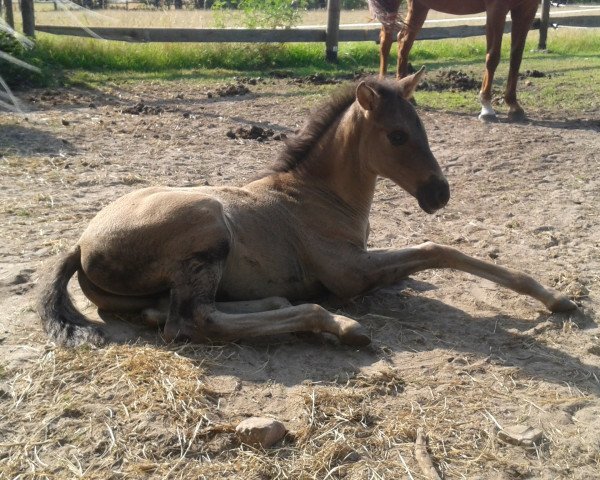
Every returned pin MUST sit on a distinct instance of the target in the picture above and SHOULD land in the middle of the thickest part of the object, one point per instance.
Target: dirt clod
(260, 431)
(231, 90)
(141, 108)
(255, 132)
(533, 74)
(316, 79)
(452, 80)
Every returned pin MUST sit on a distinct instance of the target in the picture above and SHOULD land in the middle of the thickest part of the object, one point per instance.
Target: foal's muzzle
(434, 194)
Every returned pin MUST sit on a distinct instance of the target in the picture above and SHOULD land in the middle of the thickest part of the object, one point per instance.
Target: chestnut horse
(522, 13)
(221, 263)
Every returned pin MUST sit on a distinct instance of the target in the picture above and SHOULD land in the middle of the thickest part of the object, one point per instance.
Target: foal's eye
(397, 137)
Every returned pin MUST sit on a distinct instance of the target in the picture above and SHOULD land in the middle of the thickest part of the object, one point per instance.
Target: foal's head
(394, 143)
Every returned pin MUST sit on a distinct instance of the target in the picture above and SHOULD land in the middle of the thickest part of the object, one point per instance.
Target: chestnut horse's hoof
(517, 116)
(488, 118)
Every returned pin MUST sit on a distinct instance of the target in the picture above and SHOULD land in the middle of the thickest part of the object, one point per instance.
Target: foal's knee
(432, 249)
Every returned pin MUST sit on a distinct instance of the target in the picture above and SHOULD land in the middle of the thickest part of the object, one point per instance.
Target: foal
(174, 254)
(522, 13)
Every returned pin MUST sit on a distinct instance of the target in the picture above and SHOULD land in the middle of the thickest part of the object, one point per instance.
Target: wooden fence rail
(287, 35)
(331, 35)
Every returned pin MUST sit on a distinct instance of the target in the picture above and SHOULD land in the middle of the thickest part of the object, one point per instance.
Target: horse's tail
(61, 320)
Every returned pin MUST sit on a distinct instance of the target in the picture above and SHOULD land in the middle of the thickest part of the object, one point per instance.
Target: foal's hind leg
(300, 318)
(254, 306)
(158, 316)
(193, 314)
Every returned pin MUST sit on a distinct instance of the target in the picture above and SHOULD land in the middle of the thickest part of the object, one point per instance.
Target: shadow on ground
(399, 324)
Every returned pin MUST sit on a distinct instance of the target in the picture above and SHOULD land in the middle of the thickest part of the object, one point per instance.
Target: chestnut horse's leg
(494, 29)
(415, 17)
(386, 37)
(364, 271)
(522, 17)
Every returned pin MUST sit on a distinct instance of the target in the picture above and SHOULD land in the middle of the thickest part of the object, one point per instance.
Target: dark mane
(298, 147)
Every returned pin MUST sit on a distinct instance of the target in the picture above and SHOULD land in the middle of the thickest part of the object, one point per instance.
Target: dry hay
(132, 411)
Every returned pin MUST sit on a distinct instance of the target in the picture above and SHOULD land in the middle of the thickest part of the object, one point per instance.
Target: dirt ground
(452, 354)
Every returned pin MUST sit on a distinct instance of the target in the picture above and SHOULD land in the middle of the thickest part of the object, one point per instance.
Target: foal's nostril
(443, 194)
(434, 194)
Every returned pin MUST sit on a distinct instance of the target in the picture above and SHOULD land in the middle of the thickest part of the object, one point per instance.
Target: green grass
(573, 61)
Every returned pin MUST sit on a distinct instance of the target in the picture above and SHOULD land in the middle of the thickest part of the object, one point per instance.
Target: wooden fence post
(28, 18)
(333, 29)
(10, 17)
(545, 20)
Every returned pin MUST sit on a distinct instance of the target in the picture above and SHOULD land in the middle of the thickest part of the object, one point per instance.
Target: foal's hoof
(488, 118)
(517, 116)
(353, 333)
(562, 304)
(153, 317)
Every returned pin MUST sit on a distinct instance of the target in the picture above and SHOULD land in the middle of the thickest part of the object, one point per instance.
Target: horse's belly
(247, 279)
(456, 7)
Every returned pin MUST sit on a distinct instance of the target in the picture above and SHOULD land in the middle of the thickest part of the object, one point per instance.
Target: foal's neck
(337, 166)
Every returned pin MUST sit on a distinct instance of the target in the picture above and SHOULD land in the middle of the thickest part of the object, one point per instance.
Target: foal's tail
(61, 320)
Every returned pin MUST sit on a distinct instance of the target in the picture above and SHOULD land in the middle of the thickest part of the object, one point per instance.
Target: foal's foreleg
(379, 268)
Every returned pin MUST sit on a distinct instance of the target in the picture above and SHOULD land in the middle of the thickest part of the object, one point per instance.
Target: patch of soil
(231, 90)
(61, 97)
(140, 108)
(455, 355)
(534, 74)
(255, 133)
(279, 74)
(316, 79)
(250, 80)
(451, 80)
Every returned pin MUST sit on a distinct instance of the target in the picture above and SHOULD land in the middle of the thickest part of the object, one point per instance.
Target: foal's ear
(366, 96)
(409, 84)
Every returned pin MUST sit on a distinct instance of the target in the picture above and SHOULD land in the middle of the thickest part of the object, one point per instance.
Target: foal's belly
(251, 278)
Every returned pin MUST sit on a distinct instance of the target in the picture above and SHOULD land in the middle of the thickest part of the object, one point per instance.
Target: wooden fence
(331, 35)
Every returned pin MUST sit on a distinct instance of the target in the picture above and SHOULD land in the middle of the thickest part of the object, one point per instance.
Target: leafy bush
(262, 13)
(15, 75)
